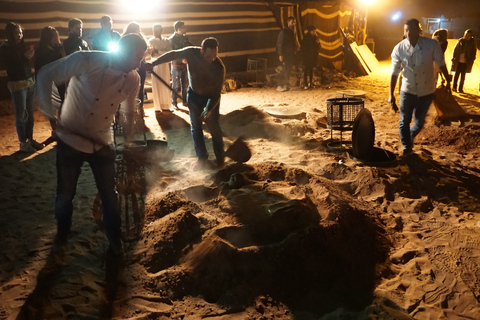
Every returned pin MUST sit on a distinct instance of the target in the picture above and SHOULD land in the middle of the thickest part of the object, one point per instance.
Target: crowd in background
(18, 59)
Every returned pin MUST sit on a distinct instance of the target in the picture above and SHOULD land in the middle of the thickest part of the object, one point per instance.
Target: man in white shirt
(415, 55)
(97, 83)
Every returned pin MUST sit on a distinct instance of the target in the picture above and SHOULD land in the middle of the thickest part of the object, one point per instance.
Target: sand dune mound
(269, 231)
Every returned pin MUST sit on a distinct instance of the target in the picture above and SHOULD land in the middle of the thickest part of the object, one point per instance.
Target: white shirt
(94, 94)
(160, 46)
(418, 65)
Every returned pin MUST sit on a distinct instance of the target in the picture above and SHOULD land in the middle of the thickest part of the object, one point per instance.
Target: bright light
(140, 5)
(396, 16)
(112, 46)
(368, 2)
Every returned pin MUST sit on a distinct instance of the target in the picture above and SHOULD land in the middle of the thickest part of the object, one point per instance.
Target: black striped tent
(244, 28)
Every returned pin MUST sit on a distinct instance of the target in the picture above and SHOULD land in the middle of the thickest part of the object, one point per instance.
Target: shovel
(165, 84)
(239, 151)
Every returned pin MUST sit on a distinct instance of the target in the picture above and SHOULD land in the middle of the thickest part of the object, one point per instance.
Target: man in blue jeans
(415, 55)
(97, 83)
(179, 40)
(206, 73)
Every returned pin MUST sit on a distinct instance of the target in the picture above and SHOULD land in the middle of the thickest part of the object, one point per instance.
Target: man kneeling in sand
(97, 83)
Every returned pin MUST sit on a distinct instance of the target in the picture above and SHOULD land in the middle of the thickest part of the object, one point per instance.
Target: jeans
(179, 78)
(284, 76)
(416, 107)
(308, 74)
(196, 105)
(461, 71)
(23, 105)
(69, 166)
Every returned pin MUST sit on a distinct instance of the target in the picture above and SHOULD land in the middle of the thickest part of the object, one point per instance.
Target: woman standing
(50, 49)
(21, 83)
(463, 58)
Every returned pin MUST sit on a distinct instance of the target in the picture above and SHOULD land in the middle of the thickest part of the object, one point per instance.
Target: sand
(300, 231)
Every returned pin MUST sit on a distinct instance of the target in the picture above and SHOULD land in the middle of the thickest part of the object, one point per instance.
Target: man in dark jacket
(179, 40)
(310, 48)
(286, 47)
(106, 38)
(74, 42)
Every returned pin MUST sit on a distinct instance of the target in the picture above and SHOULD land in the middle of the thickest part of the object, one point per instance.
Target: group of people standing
(97, 82)
(18, 60)
(287, 49)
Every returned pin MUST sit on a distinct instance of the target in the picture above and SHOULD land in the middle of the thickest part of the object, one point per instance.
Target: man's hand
(393, 103)
(148, 66)
(394, 106)
(205, 114)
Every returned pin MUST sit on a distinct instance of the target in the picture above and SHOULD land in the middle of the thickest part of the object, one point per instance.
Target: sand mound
(268, 233)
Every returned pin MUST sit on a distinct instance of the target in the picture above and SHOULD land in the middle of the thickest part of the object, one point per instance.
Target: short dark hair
(105, 19)
(73, 22)
(290, 19)
(178, 24)
(210, 42)
(413, 23)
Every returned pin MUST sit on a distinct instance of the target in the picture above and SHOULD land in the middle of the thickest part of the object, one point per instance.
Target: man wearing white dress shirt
(97, 83)
(415, 57)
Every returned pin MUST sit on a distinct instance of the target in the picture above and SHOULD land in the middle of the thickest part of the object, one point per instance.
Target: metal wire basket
(341, 112)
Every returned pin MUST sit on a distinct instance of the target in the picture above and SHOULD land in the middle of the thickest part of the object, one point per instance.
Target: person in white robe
(161, 93)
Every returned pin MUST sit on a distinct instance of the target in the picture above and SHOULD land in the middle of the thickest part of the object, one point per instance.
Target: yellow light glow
(140, 5)
(368, 2)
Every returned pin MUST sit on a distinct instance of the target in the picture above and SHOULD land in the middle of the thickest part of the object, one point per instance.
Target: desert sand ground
(300, 231)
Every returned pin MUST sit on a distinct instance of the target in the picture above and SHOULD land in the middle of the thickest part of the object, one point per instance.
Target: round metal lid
(284, 111)
(363, 135)
(351, 93)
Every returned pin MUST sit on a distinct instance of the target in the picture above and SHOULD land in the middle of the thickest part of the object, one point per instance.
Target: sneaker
(27, 147)
(306, 88)
(37, 145)
(281, 88)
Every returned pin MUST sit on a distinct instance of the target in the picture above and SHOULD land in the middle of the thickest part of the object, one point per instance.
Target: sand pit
(296, 232)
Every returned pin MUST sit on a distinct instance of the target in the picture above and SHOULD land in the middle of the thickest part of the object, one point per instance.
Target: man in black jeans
(286, 48)
(97, 83)
(179, 40)
(206, 73)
